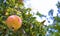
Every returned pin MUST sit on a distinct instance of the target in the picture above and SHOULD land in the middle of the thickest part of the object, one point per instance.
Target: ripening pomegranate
(14, 22)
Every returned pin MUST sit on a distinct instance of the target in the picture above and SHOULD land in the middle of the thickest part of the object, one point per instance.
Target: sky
(43, 6)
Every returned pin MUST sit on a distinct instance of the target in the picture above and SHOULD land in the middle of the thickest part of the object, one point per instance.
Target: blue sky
(43, 6)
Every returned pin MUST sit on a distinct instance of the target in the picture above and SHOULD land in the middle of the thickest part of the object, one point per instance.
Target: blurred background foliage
(54, 29)
(30, 26)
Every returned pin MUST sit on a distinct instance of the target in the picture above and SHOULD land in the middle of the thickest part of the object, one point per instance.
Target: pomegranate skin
(14, 22)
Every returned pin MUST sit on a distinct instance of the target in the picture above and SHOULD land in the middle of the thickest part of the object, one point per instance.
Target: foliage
(30, 26)
(56, 23)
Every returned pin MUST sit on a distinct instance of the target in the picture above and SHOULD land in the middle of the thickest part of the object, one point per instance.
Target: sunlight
(43, 6)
